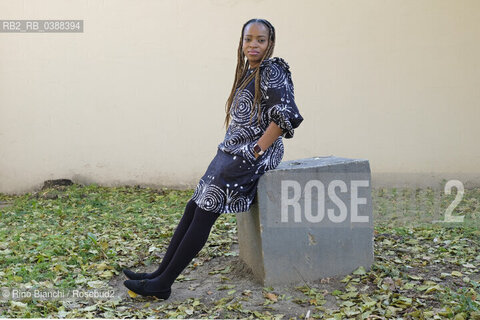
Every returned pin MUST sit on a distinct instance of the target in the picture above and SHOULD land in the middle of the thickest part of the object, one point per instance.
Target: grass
(66, 237)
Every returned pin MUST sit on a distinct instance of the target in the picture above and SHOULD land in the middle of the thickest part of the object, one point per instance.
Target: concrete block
(311, 218)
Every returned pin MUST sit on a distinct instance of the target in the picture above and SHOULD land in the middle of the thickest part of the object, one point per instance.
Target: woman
(259, 112)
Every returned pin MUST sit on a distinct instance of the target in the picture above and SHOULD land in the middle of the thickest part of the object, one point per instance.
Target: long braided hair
(242, 67)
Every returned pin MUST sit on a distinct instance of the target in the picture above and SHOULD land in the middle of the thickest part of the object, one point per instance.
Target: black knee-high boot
(172, 247)
(192, 242)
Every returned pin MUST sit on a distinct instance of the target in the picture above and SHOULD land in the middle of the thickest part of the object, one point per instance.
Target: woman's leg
(192, 242)
(174, 242)
(176, 238)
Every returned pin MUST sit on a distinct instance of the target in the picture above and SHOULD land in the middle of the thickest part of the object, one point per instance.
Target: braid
(242, 65)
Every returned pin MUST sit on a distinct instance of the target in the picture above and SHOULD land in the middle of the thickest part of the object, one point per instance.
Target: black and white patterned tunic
(229, 185)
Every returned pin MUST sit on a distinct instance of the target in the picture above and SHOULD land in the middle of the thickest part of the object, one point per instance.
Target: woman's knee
(206, 216)
(190, 207)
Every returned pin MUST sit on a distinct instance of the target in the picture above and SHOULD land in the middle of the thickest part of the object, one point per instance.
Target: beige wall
(138, 97)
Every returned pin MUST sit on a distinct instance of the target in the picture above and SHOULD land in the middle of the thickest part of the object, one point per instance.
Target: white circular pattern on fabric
(213, 198)
(239, 204)
(276, 76)
(241, 112)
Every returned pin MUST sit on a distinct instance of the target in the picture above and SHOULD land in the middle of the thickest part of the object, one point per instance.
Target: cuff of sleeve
(282, 119)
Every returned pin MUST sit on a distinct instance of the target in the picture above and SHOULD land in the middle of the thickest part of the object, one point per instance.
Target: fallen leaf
(457, 273)
(360, 270)
(247, 292)
(271, 296)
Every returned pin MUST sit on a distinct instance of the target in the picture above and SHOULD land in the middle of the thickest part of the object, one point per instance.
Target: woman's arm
(269, 136)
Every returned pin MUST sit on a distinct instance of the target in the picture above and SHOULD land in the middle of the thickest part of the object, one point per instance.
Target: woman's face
(255, 42)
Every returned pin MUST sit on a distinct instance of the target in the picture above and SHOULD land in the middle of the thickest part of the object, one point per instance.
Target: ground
(75, 236)
(230, 279)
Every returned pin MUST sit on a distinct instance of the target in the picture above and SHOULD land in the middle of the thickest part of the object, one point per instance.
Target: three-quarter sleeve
(280, 99)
